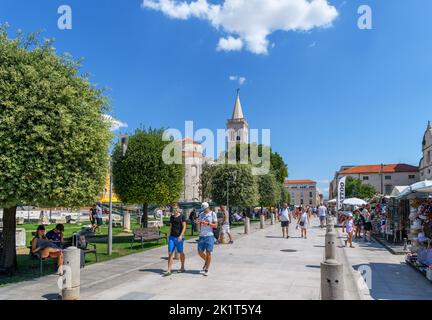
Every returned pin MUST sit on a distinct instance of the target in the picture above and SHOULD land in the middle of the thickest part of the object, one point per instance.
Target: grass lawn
(28, 269)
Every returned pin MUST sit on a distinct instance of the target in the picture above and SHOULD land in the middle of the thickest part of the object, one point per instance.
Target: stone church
(425, 165)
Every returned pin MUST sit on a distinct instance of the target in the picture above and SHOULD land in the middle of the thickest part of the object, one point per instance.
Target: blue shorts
(174, 243)
(206, 244)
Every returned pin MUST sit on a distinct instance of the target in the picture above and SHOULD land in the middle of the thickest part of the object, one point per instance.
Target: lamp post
(123, 141)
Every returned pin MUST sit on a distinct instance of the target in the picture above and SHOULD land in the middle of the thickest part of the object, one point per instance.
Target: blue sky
(331, 96)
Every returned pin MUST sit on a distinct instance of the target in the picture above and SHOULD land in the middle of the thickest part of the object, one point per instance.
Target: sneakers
(181, 271)
(206, 273)
(231, 242)
(167, 274)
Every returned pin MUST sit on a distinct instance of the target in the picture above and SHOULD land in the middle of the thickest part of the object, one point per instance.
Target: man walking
(98, 217)
(207, 219)
(176, 240)
(285, 220)
(322, 212)
(225, 226)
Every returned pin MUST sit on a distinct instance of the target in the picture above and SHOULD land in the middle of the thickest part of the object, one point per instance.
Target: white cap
(204, 205)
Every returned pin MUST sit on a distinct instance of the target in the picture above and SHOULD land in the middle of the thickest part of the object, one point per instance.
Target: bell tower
(237, 126)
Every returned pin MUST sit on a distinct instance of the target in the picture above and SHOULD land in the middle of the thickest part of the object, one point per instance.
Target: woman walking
(303, 222)
(350, 230)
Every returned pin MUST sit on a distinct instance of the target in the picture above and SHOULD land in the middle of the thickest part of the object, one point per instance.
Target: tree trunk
(144, 217)
(8, 258)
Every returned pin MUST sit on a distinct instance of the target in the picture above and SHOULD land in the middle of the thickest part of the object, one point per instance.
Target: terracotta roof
(376, 168)
(299, 182)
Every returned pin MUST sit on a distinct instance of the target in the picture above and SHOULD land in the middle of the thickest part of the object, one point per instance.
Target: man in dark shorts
(176, 239)
(285, 220)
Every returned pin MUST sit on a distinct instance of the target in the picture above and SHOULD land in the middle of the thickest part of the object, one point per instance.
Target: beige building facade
(383, 177)
(192, 152)
(303, 192)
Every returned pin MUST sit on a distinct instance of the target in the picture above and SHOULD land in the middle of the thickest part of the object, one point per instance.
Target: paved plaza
(261, 265)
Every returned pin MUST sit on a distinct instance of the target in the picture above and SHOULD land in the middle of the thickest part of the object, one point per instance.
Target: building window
(365, 178)
(387, 177)
(238, 138)
(310, 201)
(301, 194)
(303, 187)
(301, 201)
(310, 194)
(411, 176)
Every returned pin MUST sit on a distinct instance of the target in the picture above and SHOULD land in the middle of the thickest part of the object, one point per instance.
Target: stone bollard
(332, 283)
(126, 222)
(262, 221)
(330, 245)
(272, 221)
(330, 224)
(247, 225)
(405, 240)
(71, 273)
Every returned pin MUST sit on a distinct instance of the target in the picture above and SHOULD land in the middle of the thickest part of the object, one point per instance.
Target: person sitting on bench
(56, 235)
(44, 248)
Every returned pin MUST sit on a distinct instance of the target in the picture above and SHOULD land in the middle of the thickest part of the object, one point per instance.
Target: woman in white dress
(304, 223)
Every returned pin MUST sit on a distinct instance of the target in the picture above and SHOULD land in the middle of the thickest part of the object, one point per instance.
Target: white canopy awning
(354, 202)
(419, 187)
(397, 190)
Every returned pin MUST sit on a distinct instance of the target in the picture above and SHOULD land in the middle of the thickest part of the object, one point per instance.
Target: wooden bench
(147, 235)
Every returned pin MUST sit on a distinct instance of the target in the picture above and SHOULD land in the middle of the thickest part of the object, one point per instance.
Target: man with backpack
(207, 219)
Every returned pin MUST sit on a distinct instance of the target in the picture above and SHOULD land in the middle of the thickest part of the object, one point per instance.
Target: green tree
(269, 190)
(242, 186)
(277, 165)
(355, 188)
(285, 196)
(53, 137)
(205, 180)
(142, 176)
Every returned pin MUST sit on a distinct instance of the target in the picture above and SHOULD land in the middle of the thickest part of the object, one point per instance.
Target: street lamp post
(123, 141)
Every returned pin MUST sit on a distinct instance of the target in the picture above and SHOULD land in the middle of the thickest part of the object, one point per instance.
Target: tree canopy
(269, 190)
(141, 176)
(355, 188)
(242, 187)
(53, 136)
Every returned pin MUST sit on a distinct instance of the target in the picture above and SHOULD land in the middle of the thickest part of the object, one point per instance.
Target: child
(349, 225)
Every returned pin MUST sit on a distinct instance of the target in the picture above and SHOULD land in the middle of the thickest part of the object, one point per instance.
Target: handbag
(301, 223)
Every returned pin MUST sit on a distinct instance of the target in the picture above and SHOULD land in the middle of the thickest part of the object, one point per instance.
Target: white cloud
(313, 44)
(240, 80)
(114, 123)
(230, 44)
(248, 23)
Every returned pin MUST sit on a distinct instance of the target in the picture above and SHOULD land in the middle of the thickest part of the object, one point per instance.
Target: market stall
(419, 205)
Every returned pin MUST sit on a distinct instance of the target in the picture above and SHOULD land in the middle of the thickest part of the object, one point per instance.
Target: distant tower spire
(429, 125)
(238, 110)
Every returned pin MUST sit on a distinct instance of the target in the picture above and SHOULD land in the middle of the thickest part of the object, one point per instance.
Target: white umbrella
(354, 202)
(332, 201)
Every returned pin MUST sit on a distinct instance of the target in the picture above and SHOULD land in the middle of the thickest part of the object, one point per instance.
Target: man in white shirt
(285, 219)
(207, 219)
(322, 213)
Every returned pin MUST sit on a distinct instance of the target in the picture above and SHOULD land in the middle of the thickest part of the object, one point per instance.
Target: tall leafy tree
(53, 137)
(285, 196)
(277, 165)
(269, 190)
(355, 188)
(205, 180)
(238, 181)
(141, 176)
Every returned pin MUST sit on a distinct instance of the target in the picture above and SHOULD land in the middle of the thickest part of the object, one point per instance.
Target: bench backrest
(146, 231)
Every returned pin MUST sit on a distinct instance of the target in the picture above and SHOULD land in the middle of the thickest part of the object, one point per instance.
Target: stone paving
(261, 265)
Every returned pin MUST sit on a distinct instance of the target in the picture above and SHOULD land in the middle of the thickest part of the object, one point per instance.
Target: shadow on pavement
(158, 271)
(52, 296)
